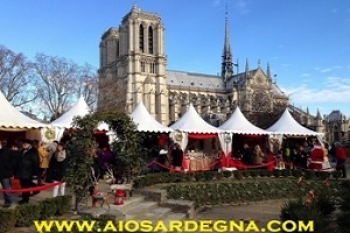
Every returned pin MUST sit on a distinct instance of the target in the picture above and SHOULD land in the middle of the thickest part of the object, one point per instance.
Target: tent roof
(10, 117)
(146, 122)
(192, 122)
(79, 109)
(289, 126)
(237, 123)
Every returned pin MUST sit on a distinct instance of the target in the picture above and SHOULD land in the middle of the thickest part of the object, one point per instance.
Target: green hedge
(249, 191)
(24, 215)
(166, 178)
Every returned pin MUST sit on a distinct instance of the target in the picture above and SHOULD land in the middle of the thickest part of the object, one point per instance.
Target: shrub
(297, 173)
(263, 173)
(324, 175)
(297, 210)
(309, 174)
(7, 220)
(219, 175)
(337, 174)
(48, 208)
(269, 173)
(209, 175)
(277, 173)
(227, 174)
(26, 214)
(254, 173)
(286, 172)
(63, 204)
(245, 173)
(199, 176)
(238, 174)
(343, 218)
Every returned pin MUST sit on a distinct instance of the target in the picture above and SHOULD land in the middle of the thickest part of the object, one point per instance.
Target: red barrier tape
(33, 189)
(243, 166)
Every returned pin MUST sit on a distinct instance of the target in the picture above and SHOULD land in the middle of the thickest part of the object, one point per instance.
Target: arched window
(142, 38)
(150, 40)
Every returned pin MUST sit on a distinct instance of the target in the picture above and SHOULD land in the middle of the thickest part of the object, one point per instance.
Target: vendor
(177, 154)
(317, 157)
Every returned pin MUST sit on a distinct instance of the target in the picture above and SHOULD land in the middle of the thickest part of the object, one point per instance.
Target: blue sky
(306, 42)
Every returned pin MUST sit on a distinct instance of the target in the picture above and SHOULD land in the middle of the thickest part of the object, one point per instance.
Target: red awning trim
(202, 136)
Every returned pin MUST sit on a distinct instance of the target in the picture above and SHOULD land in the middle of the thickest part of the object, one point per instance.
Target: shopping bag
(15, 184)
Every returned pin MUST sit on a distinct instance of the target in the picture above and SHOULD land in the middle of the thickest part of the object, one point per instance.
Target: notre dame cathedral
(133, 69)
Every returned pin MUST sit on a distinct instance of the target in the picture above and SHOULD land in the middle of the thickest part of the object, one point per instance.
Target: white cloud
(330, 90)
(305, 75)
(326, 70)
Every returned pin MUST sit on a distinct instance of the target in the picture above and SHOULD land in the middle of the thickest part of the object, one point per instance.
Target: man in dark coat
(247, 155)
(6, 171)
(27, 167)
(177, 155)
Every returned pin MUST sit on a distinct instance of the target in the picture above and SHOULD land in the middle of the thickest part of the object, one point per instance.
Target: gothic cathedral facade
(133, 69)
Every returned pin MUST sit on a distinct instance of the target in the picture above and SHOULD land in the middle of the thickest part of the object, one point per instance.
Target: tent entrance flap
(202, 136)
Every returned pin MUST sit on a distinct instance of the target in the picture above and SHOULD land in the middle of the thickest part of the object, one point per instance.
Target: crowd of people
(29, 160)
(308, 155)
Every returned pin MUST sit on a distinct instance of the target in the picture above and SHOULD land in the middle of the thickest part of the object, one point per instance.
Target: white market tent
(11, 118)
(190, 124)
(287, 125)
(79, 109)
(146, 122)
(238, 124)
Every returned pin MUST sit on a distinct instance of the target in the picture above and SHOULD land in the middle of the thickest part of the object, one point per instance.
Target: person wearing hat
(27, 167)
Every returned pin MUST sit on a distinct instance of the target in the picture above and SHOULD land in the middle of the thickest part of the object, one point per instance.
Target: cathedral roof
(195, 80)
(211, 82)
(335, 115)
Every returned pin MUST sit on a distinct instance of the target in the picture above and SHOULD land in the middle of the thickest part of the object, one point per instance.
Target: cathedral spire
(246, 67)
(268, 71)
(318, 116)
(227, 65)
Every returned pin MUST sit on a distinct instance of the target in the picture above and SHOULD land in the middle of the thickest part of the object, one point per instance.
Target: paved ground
(261, 213)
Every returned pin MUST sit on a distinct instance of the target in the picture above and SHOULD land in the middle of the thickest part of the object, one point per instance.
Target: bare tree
(61, 83)
(112, 95)
(16, 78)
(87, 85)
(266, 110)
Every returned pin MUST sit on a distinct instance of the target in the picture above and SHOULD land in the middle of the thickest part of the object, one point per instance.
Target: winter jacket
(28, 164)
(57, 168)
(7, 163)
(43, 156)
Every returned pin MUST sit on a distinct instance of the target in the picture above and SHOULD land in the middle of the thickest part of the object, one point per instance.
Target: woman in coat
(44, 161)
(57, 170)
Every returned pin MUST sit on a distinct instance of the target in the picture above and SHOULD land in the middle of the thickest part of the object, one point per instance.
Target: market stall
(14, 125)
(198, 139)
(237, 126)
(288, 128)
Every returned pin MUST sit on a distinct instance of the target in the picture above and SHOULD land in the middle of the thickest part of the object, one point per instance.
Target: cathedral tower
(132, 58)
